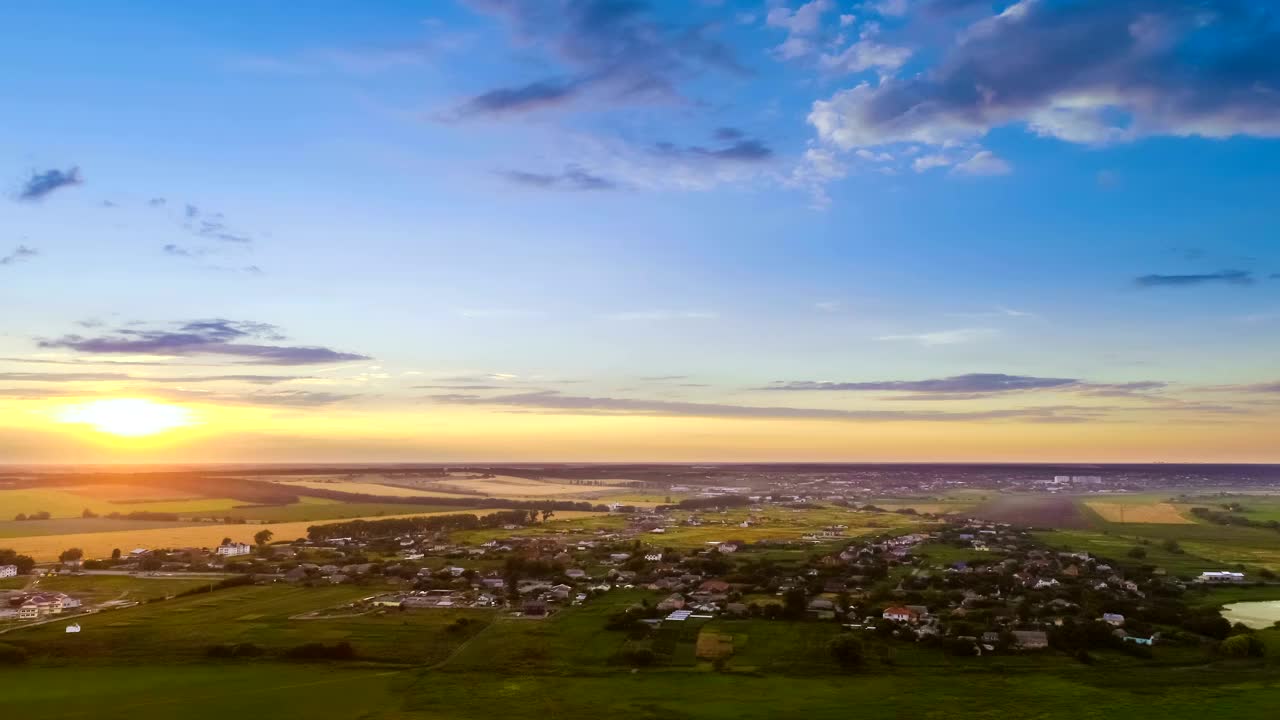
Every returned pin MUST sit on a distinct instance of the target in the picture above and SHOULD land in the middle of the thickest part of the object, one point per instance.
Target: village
(969, 587)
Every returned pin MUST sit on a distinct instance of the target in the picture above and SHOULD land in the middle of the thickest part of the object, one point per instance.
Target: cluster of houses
(34, 606)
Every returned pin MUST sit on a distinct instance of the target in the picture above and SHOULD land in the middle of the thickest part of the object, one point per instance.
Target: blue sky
(567, 199)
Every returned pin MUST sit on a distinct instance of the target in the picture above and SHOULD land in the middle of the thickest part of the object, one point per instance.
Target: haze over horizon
(597, 230)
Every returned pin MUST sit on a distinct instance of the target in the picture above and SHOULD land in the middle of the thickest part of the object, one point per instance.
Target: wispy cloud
(609, 53)
(973, 383)
(1224, 277)
(72, 377)
(944, 337)
(22, 253)
(42, 184)
(571, 178)
(219, 337)
(577, 404)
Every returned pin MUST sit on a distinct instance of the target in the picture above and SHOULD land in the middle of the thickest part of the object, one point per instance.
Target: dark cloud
(41, 184)
(1228, 277)
(22, 253)
(614, 51)
(534, 96)
(728, 134)
(179, 251)
(974, 383)
(239, 339)
(1084, 72)
(743, 150)
(572, 178)
(549, 400)
(157, 202)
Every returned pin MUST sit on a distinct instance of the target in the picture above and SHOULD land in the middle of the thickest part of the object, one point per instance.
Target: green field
(98, 588)
(182, 629)
(64, 503)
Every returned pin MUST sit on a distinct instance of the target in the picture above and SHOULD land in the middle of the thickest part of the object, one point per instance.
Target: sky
(640, 230)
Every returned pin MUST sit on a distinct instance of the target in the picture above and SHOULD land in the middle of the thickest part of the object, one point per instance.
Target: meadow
(183, 628)
(93, 589)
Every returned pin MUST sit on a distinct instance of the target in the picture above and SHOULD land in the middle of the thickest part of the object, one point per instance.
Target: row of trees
(365, 529)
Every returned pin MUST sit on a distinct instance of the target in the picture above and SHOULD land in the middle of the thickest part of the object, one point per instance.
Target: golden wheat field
(369, 488)
(46, 548)
(1152, 513)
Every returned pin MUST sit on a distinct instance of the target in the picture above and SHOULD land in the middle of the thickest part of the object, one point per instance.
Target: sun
(127, 417)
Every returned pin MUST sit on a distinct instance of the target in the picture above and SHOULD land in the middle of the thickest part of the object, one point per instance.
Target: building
(899, 613)
(1221, 576)
(8, 571)
(234, 549)
(1031, 639)
(1113, 619)
(73, 628)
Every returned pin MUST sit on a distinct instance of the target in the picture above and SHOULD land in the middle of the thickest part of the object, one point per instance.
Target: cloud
(801, 25)
(41, 184)
(928, 162)
(613, 52)
(945, 337)
(205, 337)
(983, 162)
(663, 378)
(120, 377)
(572, 178)
(156, 202)
(740, 149)
(550, 400)
(1083, 72)
(22, 253)
(973, 383)
(1227, 277)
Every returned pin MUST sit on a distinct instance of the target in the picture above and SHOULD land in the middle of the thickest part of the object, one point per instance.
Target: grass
(947, 555)
(75, 526)
(310, 512)
(98, 588)
(180, 630)
(279, 691)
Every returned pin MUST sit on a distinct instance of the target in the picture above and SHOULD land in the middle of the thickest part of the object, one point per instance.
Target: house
(1031, 639)
(654, 557)
(234, 549)
(1113, 619)
(898, 613)
(575, 573)
(675, 601)
(73, 628)
(714, 586)
(561, 592)
(728, 547)
(8, 571)
(28, 611)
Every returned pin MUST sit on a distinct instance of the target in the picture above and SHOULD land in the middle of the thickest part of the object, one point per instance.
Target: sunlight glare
(127, 417)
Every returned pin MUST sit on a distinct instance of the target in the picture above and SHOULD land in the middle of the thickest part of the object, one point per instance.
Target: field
(1161, 513)
(70, 502)
(180, 630)
(100, 544)
(369, 488)
(93, 589)
(1054, 511)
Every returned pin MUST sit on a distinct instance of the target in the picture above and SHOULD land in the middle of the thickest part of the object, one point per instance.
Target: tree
(115, 554)
(546, 514)
(20, 517)
(1241, 646)
(1172, 546)
(1138, 552)
(847, 650)
(226, 541)
(794, 603)
(71, 555)
(87, 513)
(263, 537)
(23, 562)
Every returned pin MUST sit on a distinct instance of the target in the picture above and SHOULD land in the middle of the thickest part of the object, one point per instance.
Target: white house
(899, 613)
(234, 549)
(73, 628)
(8, 571)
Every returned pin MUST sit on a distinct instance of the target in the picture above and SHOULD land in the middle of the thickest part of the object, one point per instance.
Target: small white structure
(1221, 576)
(234, 549)
(8, 571)
(73, 628)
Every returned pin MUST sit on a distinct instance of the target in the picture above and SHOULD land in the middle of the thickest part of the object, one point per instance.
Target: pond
(1257, 615)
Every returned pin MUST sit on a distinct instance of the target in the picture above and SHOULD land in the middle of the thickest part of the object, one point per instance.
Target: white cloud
(983, 162)
(928, 162)
(945, 337)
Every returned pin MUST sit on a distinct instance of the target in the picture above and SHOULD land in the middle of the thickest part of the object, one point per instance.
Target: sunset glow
(127, 417)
